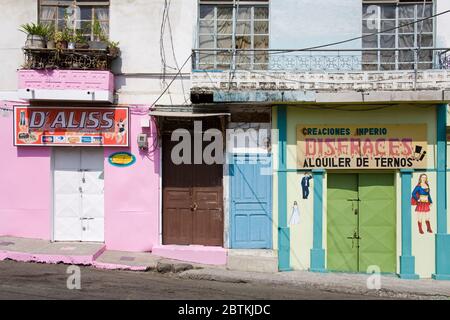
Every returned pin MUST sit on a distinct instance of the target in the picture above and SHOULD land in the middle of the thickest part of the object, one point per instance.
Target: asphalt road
(42, 281)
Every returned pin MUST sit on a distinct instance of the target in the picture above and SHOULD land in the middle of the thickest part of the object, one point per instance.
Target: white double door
(78, 194)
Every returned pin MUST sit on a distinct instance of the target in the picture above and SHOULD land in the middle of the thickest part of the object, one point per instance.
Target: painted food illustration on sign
(122, 159)
(421, 199)
(43, 126)
(295, 216)
(362, 147)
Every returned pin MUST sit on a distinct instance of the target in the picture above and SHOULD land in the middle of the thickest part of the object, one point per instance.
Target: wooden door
(192, 196)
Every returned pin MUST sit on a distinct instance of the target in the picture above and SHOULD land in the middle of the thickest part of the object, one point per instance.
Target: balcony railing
(70, 59)
(321, 60)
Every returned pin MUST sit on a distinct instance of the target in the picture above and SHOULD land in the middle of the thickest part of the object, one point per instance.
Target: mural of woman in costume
(422, 200)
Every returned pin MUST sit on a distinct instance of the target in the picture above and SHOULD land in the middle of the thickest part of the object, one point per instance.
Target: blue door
(251, 201)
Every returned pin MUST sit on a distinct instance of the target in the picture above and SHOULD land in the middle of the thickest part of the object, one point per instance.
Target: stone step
(256, 260)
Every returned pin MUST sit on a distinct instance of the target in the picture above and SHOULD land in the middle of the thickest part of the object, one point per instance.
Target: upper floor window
(224, 25)
(397, 31)
(81, 15)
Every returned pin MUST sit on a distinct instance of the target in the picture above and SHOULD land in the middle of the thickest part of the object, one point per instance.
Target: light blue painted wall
(304, 23)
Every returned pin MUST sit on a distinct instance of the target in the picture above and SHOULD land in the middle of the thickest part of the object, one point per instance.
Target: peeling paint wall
(243, 81)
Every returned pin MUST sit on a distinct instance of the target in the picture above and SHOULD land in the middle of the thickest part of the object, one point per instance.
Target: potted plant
(61, 39)
(51, 39)
(113, 47)
(100, 39)
(37, 33)
(71, 41)
(80, 40)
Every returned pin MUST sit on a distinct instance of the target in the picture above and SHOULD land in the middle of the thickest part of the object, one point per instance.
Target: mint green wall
(302, 234)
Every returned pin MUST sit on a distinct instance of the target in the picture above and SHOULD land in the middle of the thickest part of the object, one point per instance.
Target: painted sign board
(71, 126)
(362, 147)
(122, 159)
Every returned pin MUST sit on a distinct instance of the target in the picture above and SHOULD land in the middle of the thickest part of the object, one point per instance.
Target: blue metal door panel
(251, 201)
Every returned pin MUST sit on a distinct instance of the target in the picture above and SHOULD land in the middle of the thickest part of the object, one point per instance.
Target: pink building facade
(130, 194)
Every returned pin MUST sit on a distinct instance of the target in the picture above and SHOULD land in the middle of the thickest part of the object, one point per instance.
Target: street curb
(331, 287)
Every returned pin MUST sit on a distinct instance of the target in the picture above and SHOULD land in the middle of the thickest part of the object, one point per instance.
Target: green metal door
(361, 222)
(377, 222)
(342, 195)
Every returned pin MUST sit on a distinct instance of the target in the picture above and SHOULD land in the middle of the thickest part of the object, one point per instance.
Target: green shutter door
(377, 222)
(341, 222)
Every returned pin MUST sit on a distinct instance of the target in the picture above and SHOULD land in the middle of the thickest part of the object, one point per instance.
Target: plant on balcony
(80, 40)
(100, 39)
(51, 38)
(37, 34)
(76, 40)
(113, 47)
(61, 39)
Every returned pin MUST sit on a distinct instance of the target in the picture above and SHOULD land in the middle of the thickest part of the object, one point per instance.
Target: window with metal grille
(76, 15)
(224, 25)
(401, 43)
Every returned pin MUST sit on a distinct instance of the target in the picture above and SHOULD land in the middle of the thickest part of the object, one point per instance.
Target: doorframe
(231, 163)
(160, 216)
(394, 173)
(225, 208)
(52, 196)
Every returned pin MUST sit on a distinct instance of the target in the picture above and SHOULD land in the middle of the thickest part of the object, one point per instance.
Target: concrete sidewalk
(96, 255)
(43, 251)
(391, 286)
(88, 254)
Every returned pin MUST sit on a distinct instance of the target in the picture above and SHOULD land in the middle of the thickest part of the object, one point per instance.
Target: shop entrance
(251, 202)
(192, 193)
(78, 203)
(361, 222)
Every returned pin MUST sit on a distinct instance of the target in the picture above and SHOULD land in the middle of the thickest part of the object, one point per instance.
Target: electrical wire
(172, 81)
(346, 40)
(364, 36)
(313, 48)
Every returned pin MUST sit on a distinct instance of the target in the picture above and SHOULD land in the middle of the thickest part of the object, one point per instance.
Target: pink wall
(66, 79)
(132, 194)
(25, 188)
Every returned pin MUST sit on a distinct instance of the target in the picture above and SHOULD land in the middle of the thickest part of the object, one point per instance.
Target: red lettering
(394, 147)
(310, 147)
(367, 147)
(407, 145)
(380, 147)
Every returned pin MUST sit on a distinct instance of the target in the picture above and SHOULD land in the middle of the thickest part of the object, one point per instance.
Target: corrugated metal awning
(188, 114)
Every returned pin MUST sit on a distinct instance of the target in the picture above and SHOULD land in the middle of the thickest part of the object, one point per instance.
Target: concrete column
(442, 236)
(317, 252)
(407, 260)
(284, 240)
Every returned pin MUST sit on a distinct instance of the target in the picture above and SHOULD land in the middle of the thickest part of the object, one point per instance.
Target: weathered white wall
(13, 13)
(136, 24)
(443, 24)
(304, 23)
